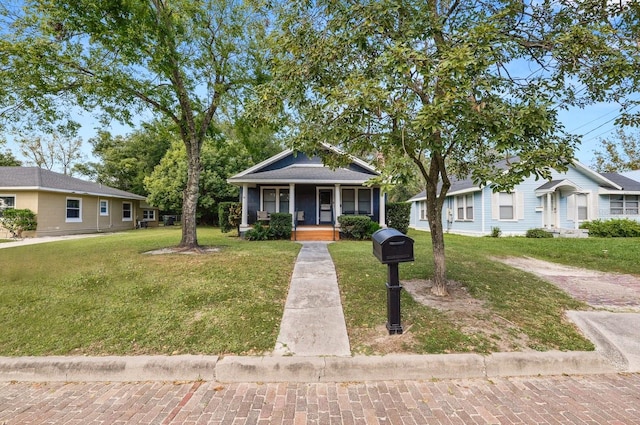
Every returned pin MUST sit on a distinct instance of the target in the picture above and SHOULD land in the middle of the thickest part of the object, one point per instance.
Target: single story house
(314, 194)
(66, 205)
(558, 205)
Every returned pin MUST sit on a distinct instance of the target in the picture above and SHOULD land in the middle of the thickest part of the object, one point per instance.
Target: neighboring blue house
(314, 194)
(559, 205)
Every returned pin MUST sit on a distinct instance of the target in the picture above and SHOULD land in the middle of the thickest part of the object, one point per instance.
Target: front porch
(315, 233)
(313, 194)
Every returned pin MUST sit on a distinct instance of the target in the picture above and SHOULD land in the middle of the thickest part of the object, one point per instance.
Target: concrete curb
(300, 369)
(601, 341)
(114, 369)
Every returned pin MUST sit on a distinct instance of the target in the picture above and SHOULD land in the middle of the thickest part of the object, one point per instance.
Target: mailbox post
(392, 247)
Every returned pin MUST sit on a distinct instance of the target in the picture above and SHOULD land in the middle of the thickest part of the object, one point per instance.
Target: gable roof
(35, 178)
(624, 183)
(609, 182)
(305, 172)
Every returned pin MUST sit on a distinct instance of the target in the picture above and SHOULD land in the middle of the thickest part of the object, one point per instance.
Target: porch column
(337, 205)
(576, 212)
(292, 203)
(548, 213)
(382, 211)
(245, 204)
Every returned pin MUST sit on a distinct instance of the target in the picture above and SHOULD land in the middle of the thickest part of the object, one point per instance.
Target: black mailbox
(392, 246)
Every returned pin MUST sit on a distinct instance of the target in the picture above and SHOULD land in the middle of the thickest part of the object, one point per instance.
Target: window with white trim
(149, 215)
(74, 210)
(104, 207)
(275, 199)
(464, 207)
(127, 211)
(423, 210)
(506, 205)
(7, 201)
(283, 200)
(357, 201)
(582, 206)
(624, 204)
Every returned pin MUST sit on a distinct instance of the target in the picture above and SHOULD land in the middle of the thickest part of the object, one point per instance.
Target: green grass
(102, 296)
(533, 305)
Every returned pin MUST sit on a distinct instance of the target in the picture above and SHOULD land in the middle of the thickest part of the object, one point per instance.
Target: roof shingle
(39, 179)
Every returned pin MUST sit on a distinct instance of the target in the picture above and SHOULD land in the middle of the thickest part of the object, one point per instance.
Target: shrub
(17, 221)
(495, 232)
(229, 215)
(357, 226)
(279, 228)
(613, 228)
(374, 226)
(399, 216)
(538, 233)
(259, 232)
(281, 225)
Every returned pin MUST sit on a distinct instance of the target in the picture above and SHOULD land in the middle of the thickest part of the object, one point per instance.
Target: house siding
(46, 194)
(529, 211)
(24, 200)
(302, 159)
(52, 215)
(50, 210)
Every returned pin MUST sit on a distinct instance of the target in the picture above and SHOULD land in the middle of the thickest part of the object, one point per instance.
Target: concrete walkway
(313, 322)
(46, 239)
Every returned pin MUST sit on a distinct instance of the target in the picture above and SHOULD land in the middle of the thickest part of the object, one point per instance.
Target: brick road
(597, 399)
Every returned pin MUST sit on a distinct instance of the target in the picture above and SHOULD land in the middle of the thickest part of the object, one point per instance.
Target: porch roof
(304, 174)
(565, 186)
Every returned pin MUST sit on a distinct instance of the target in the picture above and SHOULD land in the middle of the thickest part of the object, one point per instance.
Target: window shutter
(594, 212)
(495, 205)
(571, 207)
(520, 205)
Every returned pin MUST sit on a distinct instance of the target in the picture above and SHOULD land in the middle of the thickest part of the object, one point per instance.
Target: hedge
(399, 216)
(613, 228)
(357, 226)
(280, 224)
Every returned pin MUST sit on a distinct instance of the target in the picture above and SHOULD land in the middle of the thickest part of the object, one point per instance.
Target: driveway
(613, 323)
(45, 239)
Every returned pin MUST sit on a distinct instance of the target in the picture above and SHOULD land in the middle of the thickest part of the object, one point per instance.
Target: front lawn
(101, 296)
(527, 304)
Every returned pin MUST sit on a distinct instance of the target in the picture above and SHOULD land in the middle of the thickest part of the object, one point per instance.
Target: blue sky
(595, 122)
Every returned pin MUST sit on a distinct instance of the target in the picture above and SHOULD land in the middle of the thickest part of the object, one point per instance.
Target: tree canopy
(125, 161)
(7, 159)
(52, 152)
(183, 60)
(618, 154)
(440, 88)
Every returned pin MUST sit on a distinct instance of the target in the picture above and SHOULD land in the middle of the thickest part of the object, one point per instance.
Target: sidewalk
(313, 322)
(313, 346)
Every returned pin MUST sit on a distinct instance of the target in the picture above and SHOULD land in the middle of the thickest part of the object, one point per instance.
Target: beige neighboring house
(66, 205)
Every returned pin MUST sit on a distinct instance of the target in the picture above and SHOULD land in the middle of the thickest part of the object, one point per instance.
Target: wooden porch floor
(315, 233)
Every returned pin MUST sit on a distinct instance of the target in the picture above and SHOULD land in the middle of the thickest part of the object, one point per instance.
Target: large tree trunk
(190, 197)
(434, 215)
(436, 175)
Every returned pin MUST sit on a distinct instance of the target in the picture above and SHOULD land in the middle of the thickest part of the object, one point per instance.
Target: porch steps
(315, 234)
